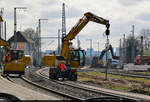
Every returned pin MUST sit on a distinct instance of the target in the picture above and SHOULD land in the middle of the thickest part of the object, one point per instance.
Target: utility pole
(98, 47)
(124, 48)
(78, 42)
(1, 31)
(5, 30)
(141, 46)
(63, 21)
(120, 53)
(133, 46)
(39, 43)
(58, 41)
(15, 25)
(90, 46)
(1, 23)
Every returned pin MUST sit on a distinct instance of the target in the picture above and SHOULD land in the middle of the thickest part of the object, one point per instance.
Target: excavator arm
(82, 23)
(107, 49)
(78, 27)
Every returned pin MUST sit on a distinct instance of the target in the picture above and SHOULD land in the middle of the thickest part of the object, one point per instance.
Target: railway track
(31, 85)
(68, 90)
(73, 84)
(74, 92)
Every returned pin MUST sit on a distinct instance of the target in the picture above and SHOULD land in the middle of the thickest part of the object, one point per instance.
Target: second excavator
(98, 61)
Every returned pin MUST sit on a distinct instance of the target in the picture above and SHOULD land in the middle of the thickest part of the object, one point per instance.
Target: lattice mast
(63, 21)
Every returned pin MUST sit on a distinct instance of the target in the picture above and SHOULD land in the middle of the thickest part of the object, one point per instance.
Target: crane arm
(82, 23)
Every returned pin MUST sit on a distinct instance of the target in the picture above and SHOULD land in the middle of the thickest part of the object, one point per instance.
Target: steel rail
(113, 95)
(46, 89)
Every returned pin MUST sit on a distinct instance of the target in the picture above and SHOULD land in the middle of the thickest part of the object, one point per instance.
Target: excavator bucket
(1, 19)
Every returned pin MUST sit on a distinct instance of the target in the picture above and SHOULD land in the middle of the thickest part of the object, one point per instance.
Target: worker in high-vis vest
(8, 57)
(62, 66)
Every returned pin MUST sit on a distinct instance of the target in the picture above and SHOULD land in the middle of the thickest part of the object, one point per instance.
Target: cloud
(129, 2)
(121, 13)
(144, 17)
(51, 14)
(73, 12)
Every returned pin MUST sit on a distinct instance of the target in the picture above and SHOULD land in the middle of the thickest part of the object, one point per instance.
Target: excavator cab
(13, 63)
(77, 58)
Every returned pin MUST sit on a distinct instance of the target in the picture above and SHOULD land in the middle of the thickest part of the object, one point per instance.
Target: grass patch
(144, 73)
(84, 79)
(116, 82)
(120, 88)
(99, 74)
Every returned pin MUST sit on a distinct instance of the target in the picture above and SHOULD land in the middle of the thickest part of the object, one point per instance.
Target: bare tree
(30, 33)
(146, 38)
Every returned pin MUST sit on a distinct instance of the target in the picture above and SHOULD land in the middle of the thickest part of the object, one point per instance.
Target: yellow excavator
(73, 57)
(14, 61)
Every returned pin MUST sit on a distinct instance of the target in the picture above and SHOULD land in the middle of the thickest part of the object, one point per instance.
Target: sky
(122, 14)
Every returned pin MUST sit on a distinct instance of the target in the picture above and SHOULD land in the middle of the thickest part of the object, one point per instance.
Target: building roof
(21, 37)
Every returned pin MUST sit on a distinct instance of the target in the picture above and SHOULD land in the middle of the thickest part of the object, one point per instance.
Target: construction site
(64, 52)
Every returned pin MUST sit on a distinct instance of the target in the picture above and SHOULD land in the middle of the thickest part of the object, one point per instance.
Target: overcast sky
(122, 14)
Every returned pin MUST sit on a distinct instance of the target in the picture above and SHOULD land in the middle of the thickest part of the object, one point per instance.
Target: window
(16, 54)
(82, 57)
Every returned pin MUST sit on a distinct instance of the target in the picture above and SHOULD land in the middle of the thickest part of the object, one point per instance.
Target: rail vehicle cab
(13, 62)
(77, 58)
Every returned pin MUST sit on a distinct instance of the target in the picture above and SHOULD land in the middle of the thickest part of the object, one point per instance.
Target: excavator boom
(82, 23)
(107, 49)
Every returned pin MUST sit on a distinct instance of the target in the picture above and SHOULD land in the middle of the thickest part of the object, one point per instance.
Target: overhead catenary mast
(63, 21)
(1, 23)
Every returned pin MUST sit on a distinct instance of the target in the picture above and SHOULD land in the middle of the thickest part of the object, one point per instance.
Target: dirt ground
(116, 82)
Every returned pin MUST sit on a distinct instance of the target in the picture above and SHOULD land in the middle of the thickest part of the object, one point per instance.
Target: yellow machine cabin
(75, 57)
(14, 61)
(52, 61)
(49, 60)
